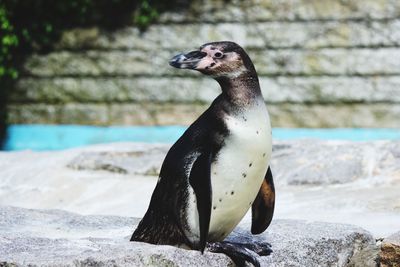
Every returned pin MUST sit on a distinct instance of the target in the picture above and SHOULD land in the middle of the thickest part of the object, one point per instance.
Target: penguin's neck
(242, 90)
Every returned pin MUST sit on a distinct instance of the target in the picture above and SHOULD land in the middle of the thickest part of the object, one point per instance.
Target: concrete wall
(328, 63)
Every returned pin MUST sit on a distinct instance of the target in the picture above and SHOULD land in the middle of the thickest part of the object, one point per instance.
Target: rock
(143, 160)
(345, 115)
(256, 34)
(155, 114)
(119, 179)
(193, 90)
(313, 59)
(143, 113)
(277, 62)
(59, 238)
(298, 10)
(390, 251)
(334, 162)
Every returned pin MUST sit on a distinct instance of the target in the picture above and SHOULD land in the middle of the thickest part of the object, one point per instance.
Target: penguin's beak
(187, 61)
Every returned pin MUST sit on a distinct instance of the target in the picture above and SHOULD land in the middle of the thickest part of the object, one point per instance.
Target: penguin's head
(216, 59)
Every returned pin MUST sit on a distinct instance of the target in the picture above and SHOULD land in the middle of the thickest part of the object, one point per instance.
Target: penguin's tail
(160, 230)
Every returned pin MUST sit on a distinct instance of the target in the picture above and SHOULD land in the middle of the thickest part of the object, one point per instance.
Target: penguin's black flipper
(200, 180)
(263, 206)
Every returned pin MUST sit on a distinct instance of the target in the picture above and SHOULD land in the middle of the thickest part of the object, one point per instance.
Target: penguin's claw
(262, 249)
(241, 253)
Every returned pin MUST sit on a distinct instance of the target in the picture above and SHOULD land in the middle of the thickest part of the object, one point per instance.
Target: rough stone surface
(328, 61)
(335, 162)
(143, 160)
(324, 89)
(331, 181)
(286, 10)
(59, 238)
(282, 115)
(390, 251)
(273, 34)
(308, 54)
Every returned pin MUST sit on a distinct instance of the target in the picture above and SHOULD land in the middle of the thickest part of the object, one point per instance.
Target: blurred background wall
(329, 63)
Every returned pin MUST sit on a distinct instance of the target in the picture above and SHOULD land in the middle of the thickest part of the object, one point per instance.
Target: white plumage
(238, 172)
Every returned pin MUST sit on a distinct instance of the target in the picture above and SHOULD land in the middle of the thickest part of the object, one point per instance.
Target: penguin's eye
(218, 55)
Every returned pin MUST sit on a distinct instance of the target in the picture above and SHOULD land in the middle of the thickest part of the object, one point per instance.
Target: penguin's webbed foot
(262, 249)
(241, 253)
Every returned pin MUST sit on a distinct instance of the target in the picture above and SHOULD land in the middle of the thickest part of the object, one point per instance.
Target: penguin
(219, 168)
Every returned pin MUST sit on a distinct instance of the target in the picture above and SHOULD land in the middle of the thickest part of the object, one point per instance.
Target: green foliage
(9, 41)
(145, 14)
(34, 25)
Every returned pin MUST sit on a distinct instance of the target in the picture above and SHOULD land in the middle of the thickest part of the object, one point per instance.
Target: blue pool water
(55, 137)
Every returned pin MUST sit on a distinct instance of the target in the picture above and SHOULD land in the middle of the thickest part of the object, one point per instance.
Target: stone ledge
(382, 115)
(261, 35)
(328, 61)
(203, 90)
(298, 10)
(59, 238)
(346, 164)
(335, 181)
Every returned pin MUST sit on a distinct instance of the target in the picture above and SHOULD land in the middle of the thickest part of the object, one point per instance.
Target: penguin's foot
(262, 249)
(241, 253)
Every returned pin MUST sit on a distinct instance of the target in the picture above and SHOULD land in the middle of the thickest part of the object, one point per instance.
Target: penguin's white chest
(240, 167)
